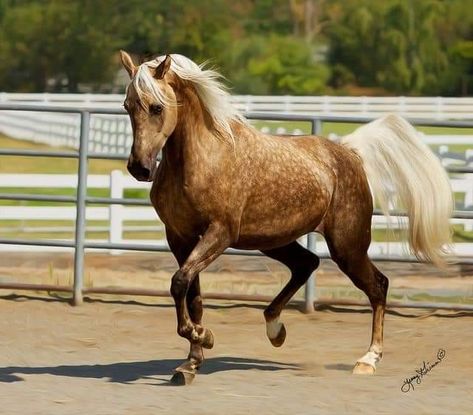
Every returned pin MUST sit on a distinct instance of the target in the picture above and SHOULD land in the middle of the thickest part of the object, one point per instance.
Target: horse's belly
(266, 231)
(283, 208)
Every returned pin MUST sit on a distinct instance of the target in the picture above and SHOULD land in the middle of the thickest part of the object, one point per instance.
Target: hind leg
(302, 263)
(349, 251)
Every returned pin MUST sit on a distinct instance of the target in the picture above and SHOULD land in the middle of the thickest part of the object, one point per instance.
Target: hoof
(182, 378)
(208, 340)
(278, 341)
(363, 369)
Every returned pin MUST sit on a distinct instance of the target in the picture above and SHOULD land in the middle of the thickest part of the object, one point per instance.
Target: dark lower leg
(186, 328)
(185, 373)
(214, 241)
(194, 305)
(302, 263)
(181, 250)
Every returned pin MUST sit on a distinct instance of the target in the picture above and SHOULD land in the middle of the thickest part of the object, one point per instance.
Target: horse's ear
(128, 63)
(163, 67)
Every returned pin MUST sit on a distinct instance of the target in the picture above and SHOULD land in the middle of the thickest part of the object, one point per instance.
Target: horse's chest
(175, 210)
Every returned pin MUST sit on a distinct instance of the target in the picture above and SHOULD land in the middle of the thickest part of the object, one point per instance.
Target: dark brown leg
(185, 373)
(302, 263)
(194, 305)
(185, 289)
(351, 257)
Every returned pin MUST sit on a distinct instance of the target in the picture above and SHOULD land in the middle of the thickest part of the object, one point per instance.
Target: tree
(55, 41)
(264, 46)
(403, 46)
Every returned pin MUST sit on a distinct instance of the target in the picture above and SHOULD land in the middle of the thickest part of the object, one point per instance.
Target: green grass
(20, 164)
(50, 165)
(395, 235)
(344, 128)
(18, 229)
(128, 193)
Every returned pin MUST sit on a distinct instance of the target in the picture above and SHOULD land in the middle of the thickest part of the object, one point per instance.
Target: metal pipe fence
(79, 244)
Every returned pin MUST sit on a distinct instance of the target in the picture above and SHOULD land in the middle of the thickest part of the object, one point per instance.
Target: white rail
(415, 107)
(116, 215)
(112, 133)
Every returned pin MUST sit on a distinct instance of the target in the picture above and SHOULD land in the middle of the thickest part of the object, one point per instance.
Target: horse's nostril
(139, 171)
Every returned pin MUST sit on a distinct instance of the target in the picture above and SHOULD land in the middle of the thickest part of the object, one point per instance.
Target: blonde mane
(207, 83)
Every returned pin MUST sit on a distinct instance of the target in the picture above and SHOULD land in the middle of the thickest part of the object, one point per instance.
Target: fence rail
(79, 244)
(441, 108)
(110, 132)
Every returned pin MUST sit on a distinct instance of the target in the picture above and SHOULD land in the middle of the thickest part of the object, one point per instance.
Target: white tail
(396, 159)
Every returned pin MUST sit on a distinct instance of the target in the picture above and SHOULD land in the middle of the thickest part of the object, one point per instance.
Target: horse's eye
(155, 109)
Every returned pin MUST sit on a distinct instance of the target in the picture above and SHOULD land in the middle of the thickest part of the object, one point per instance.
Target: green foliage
(277, 65)
(52, 41)
(263, 47)
(404, 46)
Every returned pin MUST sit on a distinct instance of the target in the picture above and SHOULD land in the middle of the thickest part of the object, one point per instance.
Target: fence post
(443, 149)
(80, 208)
(316, 128)
(115, 219)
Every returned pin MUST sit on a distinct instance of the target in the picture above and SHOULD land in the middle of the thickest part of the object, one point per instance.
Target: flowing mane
(207, 83)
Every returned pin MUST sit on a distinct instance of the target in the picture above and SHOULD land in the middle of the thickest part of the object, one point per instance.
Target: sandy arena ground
(112, 357)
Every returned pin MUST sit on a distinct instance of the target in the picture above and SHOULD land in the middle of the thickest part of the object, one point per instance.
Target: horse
(221, 183)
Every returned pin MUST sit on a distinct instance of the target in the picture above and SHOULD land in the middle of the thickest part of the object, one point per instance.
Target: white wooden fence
(115, 215)
(415, 107)
(112, 133)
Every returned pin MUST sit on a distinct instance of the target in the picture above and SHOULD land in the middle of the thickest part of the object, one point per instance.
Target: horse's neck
(192, 138)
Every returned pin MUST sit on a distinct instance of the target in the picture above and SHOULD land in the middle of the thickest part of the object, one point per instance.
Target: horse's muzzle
(141, 172)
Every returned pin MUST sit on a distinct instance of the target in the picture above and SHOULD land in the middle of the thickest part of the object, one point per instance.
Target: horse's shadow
(132, 371)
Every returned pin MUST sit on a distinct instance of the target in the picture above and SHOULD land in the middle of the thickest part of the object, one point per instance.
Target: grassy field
(13, 164)
(343, 128)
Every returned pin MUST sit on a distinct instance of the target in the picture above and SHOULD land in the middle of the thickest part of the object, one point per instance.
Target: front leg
(181, 248)
(214, 241)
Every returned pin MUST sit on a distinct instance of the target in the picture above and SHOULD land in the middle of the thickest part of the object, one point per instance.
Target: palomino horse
(222, 183)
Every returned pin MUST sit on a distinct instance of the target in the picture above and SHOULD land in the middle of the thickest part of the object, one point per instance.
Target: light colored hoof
(278, 341)
(208, 340)
(182, 378)
(363, 369)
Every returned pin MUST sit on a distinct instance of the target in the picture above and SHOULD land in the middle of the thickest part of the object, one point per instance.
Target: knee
(179, 284)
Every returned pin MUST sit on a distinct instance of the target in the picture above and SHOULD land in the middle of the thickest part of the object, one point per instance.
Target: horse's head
(152, 107)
